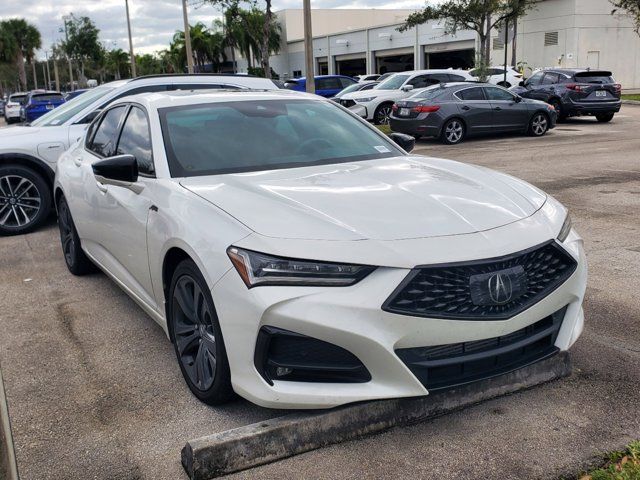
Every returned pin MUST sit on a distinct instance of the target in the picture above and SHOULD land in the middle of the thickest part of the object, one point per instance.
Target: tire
(382, 114)
(25, 200)
(453, 131)
(539, 124)
(75, 259)
(197, 337)
(604, 117)
(555, 103)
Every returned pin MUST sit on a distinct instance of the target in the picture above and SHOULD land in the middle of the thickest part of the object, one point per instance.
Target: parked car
(371, 77)
(322, 284)
(356, 87)
(326, 85)
(452, 111)
(28, 154)
(575, 91)
(496, 76)
(2, 102)
(73, 94)
(12, 107)
(376, 104)
(38, 103)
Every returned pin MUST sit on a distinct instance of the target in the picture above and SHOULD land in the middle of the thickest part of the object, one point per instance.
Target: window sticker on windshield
(381, 148)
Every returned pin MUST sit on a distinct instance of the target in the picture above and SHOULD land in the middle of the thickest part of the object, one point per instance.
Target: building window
(297, 73)
(550, 38)
(498, 43)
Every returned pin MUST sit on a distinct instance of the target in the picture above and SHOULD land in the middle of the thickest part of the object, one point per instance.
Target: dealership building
(555, 33)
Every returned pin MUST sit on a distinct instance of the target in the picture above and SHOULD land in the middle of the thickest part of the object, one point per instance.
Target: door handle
(465, 107)
(498, 108)
(102, 187)
(78, 162)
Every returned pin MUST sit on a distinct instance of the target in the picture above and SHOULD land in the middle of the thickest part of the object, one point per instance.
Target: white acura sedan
(298, 257)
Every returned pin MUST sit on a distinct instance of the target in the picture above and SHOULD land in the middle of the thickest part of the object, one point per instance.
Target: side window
(494, 93)
(440, 77)
(328, 84)
(474, 93)
(104, 140)
(456, 78)
(422, 81)
(550, 79)
(135, 140)
(346, 82)
(368, 86)
(535, 79)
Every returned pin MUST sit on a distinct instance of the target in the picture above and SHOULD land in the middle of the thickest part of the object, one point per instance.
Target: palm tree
(20, 40)
(118, 62)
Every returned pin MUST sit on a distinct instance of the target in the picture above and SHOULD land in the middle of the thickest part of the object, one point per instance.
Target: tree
(117, 62)
(18, 41)
(82, 43)
(481, 16)
(631, 7)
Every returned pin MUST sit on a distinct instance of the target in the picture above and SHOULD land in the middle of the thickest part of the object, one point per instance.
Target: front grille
(464, 291)
(446, 366)
(347, 103)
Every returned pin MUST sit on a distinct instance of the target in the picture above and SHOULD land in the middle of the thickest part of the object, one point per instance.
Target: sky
(153, 22)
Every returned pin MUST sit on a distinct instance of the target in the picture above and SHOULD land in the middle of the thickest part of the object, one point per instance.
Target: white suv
(12, 108)
(495, 75)
(375, 104)
(28, 154)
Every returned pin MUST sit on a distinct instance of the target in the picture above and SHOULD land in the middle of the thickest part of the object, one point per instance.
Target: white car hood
(18, 131)
(388, 199)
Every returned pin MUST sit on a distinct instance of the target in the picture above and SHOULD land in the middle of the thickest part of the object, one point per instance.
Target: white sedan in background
(495, 75)
(297, 256)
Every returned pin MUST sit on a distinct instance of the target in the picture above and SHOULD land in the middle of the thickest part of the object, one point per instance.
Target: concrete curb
(631, 102)
(260, 443)
(8, 466)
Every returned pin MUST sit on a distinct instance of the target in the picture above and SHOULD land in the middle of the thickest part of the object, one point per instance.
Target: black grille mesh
(445, 292)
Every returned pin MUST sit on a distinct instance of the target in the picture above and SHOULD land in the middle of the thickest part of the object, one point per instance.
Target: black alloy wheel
(383, 114)
(25, 200)
(197, 337)
(76, 260)
(452, 132)
(604, 117)
(539, 125)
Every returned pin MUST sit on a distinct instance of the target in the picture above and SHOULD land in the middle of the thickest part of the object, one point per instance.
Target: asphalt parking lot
(94, 390)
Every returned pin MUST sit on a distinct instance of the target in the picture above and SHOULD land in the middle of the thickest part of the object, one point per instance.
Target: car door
(328, 87)
(532, 86)
(475, 109)
(123, 212)
(82, 194)
(508, 112)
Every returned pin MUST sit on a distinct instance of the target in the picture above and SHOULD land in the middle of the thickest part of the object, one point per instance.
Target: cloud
(153, 22)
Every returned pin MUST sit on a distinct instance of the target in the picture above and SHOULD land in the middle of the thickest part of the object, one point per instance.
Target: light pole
(187, 37)
(308, 47)
(131, 55)
(46, 56)
(66, 18)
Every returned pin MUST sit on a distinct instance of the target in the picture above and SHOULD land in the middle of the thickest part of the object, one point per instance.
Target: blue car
(38, 103)
(326, 85)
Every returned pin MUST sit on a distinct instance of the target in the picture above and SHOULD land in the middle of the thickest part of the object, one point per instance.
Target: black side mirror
(121, 170)
(522, 83)
(518, 98)
(406, 142)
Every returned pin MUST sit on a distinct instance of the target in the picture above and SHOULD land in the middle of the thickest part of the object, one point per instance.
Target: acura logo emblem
(500, 288)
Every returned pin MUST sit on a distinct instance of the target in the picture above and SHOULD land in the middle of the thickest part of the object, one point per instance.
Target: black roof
(573, 71)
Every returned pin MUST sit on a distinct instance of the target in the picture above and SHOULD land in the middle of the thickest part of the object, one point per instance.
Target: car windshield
(209, 139)
(46, 97)
(428, 93)
(71, 108)
(392, 83)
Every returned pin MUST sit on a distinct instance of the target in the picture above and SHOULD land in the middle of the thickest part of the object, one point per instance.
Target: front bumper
(352, 319)
(360, 110)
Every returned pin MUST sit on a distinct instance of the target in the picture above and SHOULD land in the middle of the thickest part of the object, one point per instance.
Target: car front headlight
(364, 99)
(258, 269)
(566, 228)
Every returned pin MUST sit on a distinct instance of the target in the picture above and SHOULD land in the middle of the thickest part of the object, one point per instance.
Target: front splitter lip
(351, 318)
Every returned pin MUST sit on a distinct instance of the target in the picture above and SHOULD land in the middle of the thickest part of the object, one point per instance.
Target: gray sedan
(451, 111)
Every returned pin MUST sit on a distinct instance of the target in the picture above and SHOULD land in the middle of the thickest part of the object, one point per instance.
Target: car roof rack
(170, 75)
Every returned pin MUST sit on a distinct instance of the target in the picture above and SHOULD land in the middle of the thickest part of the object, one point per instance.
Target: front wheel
(76, 260)
(197, 337)
(452, 132)
(604, 117)
(383, 114)
(25, 200)
(539, 125)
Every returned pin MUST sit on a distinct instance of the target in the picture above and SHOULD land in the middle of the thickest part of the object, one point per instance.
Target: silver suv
(28, 154)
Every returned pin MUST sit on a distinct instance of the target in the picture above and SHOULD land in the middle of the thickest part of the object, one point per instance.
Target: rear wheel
(77, 262)
(25, 200)
(452, 132)
(539, 125)
(604, 117)
(382, 115)
(197, 337)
